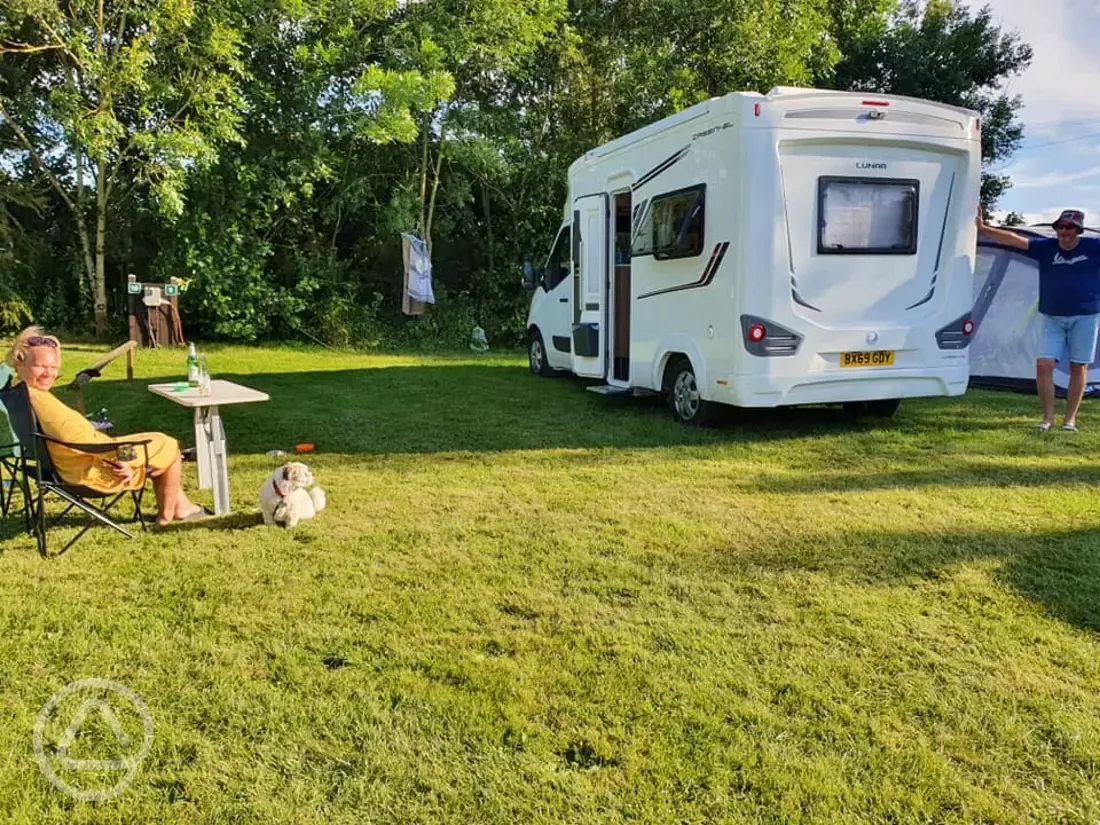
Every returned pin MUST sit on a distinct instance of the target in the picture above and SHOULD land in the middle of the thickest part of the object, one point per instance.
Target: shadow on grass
(233, 522)
(1059, 570)
(483, 408)
(960, 474)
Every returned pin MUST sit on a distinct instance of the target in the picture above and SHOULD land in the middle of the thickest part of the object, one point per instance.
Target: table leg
(202, 448)
(220, 462)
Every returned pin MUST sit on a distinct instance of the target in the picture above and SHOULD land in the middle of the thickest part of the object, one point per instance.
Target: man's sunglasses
(41, 341)
(1064, 226)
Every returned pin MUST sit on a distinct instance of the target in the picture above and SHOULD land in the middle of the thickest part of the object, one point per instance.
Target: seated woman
(36, 359)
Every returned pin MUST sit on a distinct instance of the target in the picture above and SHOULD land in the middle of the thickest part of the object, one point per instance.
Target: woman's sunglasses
(41, 341)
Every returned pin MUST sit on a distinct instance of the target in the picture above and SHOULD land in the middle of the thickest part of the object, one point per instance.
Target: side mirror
(530, 279)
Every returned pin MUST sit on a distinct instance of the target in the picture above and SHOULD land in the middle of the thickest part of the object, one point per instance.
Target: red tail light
(876, 103)
(968, 327)
(757, 333)
(756, 110)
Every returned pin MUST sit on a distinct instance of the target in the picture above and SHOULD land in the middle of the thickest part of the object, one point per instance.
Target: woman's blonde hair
(22, 345)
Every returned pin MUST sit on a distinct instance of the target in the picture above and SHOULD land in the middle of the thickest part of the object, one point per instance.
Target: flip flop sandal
(1069, 428)
(1043, 426)
(199, 514)
(196, 516)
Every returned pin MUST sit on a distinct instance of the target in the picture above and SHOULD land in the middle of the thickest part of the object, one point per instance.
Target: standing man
(1069, 304)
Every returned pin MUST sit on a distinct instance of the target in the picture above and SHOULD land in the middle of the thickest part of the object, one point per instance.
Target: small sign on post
(154, 316)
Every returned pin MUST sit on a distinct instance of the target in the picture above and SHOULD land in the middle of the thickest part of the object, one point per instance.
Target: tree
(117, 93)
(1014, 219)
(942, 50)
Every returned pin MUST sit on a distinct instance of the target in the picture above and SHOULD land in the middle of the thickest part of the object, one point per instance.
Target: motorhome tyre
(682, 394)
(537, 356)
(855, 409)
(883, 408)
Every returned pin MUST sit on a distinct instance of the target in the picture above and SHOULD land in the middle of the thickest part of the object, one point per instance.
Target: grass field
(530, 604)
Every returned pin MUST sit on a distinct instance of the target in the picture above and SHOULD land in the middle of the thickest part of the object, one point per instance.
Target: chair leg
(99, 516)
(139, 517)
(39, 520)
(5, 491)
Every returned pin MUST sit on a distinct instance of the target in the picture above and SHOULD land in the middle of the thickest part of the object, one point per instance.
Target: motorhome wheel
(882, 408)
(682, 392)
(536, 356)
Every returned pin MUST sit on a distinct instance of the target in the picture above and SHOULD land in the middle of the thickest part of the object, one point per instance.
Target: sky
(1058, 164)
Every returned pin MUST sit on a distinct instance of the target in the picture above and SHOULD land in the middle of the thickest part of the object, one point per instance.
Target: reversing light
(968, 327)
(757, 333)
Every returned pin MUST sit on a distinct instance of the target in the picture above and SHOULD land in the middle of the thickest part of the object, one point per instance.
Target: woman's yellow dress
(65, 424)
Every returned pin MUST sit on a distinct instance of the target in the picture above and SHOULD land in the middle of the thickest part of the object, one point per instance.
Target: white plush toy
(289, 496)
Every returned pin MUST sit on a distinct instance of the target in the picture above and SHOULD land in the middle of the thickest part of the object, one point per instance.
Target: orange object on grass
(303, 448)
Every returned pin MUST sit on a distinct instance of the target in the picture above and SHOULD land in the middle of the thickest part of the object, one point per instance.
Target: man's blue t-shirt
(1069, 282)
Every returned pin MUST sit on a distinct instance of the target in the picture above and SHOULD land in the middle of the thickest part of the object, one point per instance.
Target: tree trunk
(99, 282)
(435, 190)
(487, 208)
(79, 214)
(425, 129)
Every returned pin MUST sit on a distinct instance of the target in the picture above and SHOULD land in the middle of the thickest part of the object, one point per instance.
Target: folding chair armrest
(96, 449)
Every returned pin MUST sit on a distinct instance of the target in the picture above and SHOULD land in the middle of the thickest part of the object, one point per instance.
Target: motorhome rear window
(672, 226)
(867, 216)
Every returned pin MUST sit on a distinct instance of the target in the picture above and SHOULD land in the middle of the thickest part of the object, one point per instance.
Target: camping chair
(10, 479)
(34, 464)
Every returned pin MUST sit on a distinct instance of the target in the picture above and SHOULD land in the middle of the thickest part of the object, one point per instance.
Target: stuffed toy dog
(288, 496)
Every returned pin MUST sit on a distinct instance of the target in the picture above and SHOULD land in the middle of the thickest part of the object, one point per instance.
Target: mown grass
(527, 603)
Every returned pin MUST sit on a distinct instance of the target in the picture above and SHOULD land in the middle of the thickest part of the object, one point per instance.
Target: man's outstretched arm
(1003, 236)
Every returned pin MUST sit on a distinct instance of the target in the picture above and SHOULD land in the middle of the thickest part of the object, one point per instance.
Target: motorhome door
(591, 253)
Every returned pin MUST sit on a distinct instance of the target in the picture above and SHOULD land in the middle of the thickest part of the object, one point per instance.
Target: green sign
(171, 290)
(133, 288)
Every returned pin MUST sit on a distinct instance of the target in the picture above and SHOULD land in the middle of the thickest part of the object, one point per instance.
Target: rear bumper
(839, 386)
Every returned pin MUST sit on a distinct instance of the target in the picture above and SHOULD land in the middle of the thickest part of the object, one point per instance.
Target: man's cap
(1074, 217)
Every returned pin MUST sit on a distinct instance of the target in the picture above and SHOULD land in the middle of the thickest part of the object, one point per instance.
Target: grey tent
(1006, 319)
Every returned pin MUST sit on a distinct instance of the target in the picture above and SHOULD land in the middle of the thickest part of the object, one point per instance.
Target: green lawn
(530, 604)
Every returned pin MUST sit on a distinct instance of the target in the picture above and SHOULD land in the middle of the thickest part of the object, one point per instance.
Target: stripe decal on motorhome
(939, 249)
(663, 167)
(704, 280)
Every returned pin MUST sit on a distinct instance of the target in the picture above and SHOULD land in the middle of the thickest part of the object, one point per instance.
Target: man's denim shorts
(1072, 336)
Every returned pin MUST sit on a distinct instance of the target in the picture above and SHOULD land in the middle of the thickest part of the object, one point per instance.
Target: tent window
(672, 226)
(867, 216)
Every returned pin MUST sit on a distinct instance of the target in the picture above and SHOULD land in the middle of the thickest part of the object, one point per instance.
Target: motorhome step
(608, 389)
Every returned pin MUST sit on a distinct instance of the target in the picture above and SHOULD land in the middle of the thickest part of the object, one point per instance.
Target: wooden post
(84, 376)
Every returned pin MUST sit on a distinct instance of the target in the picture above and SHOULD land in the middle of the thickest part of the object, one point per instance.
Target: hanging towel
(418, 275)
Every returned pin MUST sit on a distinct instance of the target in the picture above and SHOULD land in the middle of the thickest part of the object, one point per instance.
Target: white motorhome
(799, 247)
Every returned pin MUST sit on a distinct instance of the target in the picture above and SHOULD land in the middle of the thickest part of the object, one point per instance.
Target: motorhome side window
(672, 225)
(557, 266)
(867, 216)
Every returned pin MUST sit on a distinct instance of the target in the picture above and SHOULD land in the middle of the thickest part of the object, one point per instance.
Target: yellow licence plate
(880, 358)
